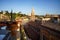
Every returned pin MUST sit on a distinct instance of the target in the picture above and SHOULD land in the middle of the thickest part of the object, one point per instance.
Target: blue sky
(25, 6)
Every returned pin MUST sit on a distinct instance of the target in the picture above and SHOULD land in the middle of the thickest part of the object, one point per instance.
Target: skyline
(41, 7)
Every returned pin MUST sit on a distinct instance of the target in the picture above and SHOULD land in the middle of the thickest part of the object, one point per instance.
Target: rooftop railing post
(11, 15)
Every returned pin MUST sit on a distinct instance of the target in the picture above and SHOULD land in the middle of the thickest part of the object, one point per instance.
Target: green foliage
(14, 15)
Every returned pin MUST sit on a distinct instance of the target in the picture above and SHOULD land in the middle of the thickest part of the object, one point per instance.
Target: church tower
(32, 15)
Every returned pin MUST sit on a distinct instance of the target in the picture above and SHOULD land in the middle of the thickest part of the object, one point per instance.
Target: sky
(41, 7)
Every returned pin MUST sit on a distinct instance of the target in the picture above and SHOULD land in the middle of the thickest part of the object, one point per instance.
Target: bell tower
(32, 15)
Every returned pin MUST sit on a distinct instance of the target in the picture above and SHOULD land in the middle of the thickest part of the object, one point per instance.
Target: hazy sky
(25, 6)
